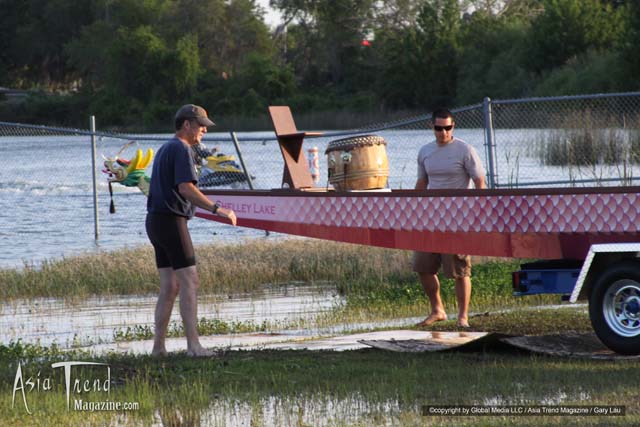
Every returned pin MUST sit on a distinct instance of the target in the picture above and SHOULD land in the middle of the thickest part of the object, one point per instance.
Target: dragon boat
(545, 223)
(531, 223)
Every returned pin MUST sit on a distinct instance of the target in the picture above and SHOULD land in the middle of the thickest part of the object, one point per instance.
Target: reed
(583, 140)
(232, 268)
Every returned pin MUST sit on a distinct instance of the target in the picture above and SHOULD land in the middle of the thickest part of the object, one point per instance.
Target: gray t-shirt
(453, 165)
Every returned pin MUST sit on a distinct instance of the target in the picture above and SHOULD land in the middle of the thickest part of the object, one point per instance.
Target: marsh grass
(592, 146)
(294, 388)
(375, 284)
(365, 387)
(367, 276)
(232, 268)
(205, 327)
(583, 147)
(365, 306)
(582, 140)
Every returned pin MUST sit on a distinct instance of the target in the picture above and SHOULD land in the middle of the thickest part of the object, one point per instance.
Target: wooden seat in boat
(296, 172)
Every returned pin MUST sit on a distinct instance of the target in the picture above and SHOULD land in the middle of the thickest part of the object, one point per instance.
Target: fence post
(234, 138)
(489, 142)
(92, 126)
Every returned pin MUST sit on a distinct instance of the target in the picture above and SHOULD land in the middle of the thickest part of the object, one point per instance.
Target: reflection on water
(325, 410)
(94, 320)
(282, 411)
(557, 398)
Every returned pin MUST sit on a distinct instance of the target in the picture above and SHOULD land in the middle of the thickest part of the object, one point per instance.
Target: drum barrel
(358, 163)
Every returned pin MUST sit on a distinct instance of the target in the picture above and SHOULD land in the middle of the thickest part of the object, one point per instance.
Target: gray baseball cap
(194, 112)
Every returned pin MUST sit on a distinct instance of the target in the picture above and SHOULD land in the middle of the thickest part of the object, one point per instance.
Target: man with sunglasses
(446, 163)
(173, 197)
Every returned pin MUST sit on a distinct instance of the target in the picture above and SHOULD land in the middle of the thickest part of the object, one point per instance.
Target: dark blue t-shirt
(173, 165)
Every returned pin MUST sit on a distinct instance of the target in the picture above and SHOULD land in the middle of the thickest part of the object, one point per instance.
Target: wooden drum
(358, 163)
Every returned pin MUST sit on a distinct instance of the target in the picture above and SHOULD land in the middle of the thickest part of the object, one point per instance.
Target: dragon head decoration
(129, 173)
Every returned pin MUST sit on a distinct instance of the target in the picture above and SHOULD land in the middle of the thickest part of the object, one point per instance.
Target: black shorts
(171, 241)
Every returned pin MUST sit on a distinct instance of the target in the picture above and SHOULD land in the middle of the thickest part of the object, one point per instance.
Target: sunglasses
(441, 128)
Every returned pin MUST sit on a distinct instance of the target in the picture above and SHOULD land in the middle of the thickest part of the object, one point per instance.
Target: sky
(272, 17)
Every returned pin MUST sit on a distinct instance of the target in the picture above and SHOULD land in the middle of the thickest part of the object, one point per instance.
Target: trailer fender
(598, 259)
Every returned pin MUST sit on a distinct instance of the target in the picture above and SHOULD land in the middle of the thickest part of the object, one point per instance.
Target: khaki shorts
(453, 266)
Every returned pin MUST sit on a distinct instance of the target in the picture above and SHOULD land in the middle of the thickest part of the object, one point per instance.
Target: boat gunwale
(319, 192)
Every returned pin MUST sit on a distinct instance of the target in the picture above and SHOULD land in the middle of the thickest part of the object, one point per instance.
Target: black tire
(614, 307)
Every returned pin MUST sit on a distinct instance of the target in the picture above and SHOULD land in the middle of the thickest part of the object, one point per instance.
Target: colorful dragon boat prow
(213, 168)
(130, 173)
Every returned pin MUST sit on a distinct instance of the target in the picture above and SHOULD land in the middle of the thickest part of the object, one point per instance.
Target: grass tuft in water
(205, 327)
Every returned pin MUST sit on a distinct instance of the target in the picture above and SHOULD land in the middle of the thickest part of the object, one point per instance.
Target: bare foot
(433, 318)
(159, 352)
(462, 323)
(200, 352)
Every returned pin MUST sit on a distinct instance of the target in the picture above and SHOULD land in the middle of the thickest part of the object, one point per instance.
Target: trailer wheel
(614, 307)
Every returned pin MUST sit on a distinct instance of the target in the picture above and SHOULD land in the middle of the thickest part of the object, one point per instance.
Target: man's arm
(479, 182)
(190, 192)
(422, 183)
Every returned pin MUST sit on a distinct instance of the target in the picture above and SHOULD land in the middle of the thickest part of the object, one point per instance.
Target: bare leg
(431, 286)
(463, 296)
(166, 298)
(189, 284)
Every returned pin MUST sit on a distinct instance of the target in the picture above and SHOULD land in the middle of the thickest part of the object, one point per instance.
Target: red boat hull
(532, 223)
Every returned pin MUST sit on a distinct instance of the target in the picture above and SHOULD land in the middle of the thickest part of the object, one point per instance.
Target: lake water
(46, 186)
(95, 320)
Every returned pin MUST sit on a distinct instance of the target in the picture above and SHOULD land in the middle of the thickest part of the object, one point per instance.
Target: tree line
(132, 62)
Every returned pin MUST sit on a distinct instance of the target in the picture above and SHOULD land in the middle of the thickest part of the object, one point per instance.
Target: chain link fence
(47, 175)
(589, 140)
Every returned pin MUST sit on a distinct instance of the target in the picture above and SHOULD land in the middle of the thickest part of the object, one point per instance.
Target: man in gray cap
(173, 198)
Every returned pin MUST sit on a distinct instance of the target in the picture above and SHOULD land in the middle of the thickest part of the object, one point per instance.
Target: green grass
(304, 388)
(365, 387)
(205, 327)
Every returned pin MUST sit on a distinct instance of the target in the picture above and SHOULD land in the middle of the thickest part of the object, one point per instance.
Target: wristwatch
(215, 208)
